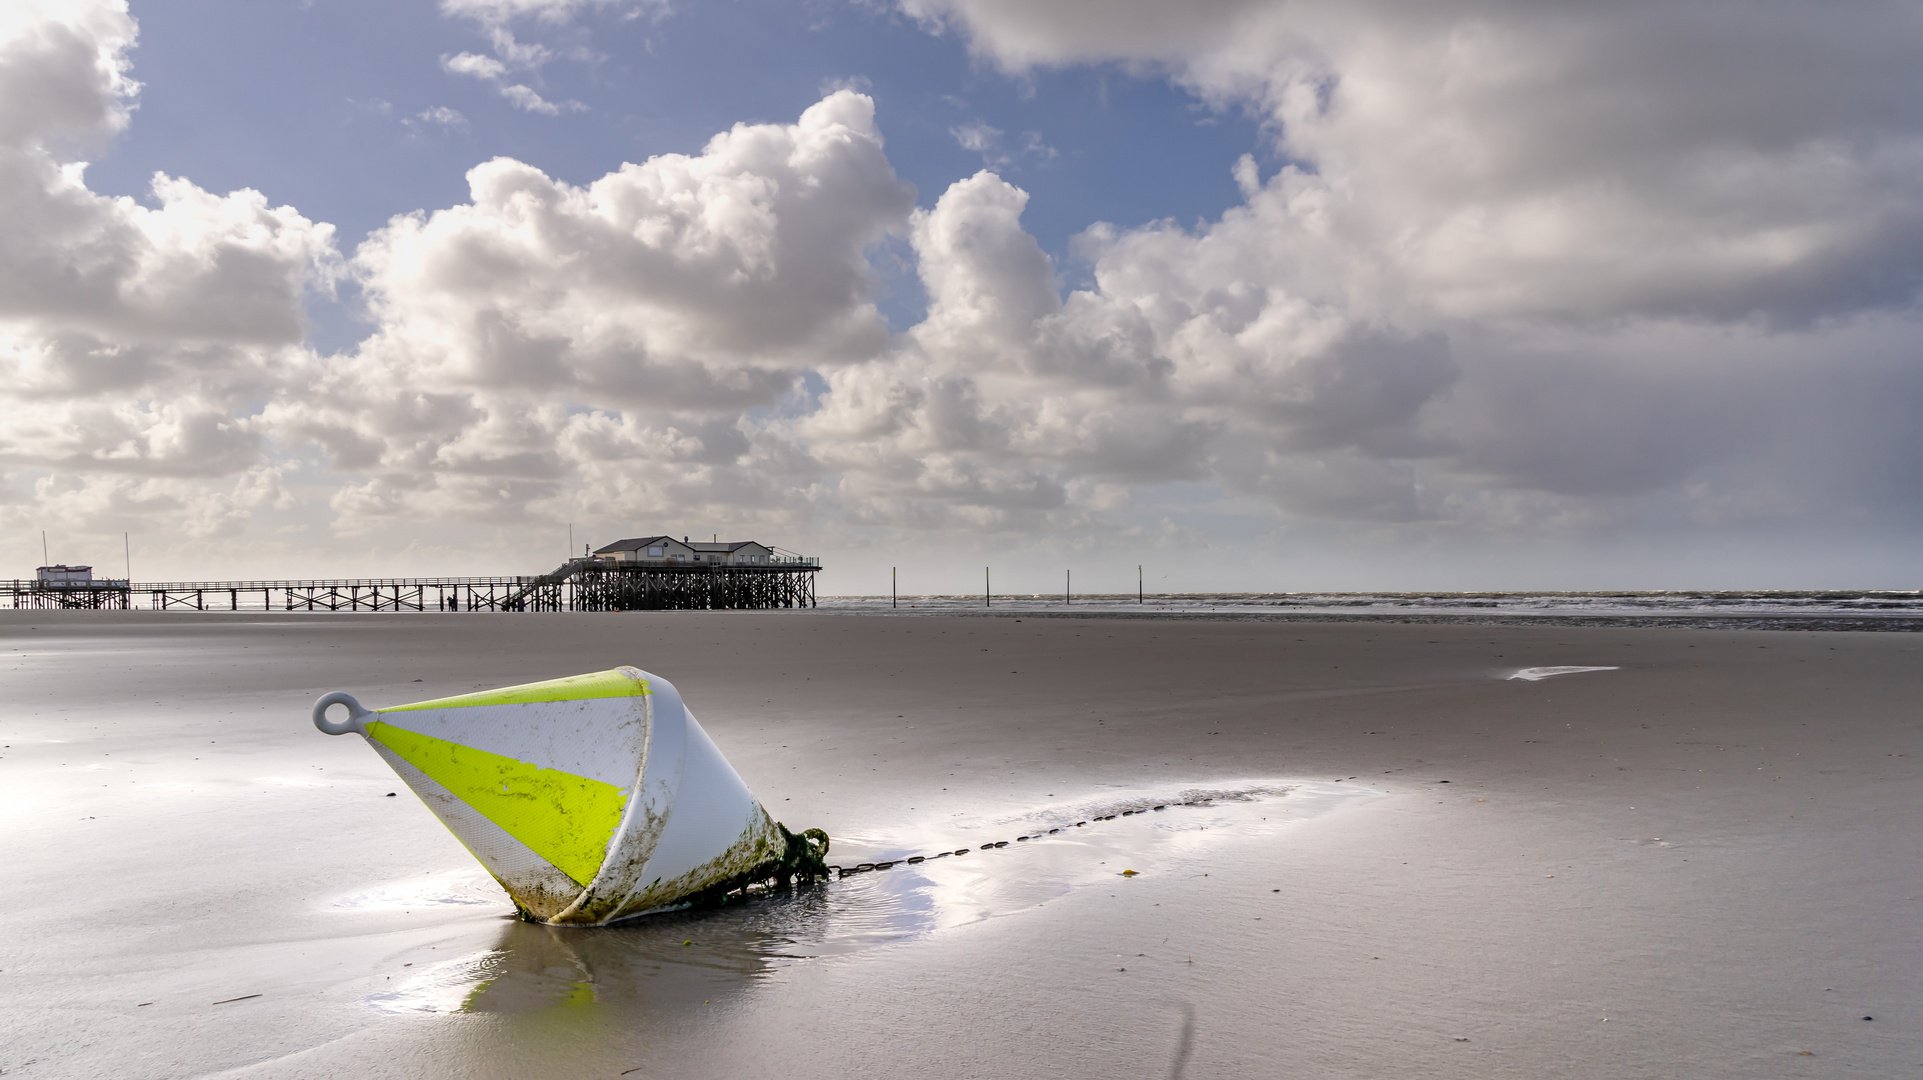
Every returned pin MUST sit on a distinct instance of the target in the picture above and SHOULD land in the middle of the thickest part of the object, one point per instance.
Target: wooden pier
(587, 584)
(614, 587)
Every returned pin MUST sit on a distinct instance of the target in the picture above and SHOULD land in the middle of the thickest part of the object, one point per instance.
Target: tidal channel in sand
(1704, 862)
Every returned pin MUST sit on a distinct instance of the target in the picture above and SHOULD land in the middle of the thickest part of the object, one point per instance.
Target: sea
(1782, 609)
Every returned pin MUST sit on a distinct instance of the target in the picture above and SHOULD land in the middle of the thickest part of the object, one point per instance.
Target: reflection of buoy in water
(590, 799)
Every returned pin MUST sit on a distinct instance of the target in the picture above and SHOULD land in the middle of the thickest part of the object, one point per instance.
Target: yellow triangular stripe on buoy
(601, 684)
(566, 819)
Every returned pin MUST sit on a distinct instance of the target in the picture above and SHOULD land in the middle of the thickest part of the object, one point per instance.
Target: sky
(1370, 295)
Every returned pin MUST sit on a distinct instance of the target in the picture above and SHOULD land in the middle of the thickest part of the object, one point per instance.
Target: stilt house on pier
(63, 586)
(667, 551)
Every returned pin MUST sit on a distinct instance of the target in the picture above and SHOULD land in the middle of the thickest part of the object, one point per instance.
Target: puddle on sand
(1537, 674)
(1091, 841)
(445, 987)
(698, 955)
(662, 961)
(450, 889)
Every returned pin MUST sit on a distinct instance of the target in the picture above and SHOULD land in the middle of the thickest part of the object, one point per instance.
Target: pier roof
(636, 544)
(639, 542)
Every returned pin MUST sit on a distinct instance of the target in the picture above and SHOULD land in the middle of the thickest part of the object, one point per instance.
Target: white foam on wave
(1537, 674)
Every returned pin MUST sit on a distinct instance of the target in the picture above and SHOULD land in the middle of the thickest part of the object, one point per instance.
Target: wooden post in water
(1138, 583)
(894, 587)
(1068, 587)
(985, 593)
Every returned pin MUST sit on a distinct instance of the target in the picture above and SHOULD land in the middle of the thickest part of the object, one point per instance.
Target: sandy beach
(1704, 862)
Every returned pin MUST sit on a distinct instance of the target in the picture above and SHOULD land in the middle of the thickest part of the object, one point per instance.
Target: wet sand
(1704, 863)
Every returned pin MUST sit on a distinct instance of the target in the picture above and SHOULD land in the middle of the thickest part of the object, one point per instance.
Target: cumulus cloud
(132, 337)
(544, 328)
(1009, 402)
(1519, 261)
(63, 71)
(1491, 159)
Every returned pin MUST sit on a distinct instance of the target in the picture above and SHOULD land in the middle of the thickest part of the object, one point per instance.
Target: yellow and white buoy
(590, 799)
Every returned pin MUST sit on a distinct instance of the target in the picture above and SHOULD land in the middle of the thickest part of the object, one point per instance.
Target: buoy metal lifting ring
(357, 714)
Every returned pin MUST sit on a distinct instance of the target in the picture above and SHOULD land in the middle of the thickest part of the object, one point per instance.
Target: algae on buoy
(590, 799)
